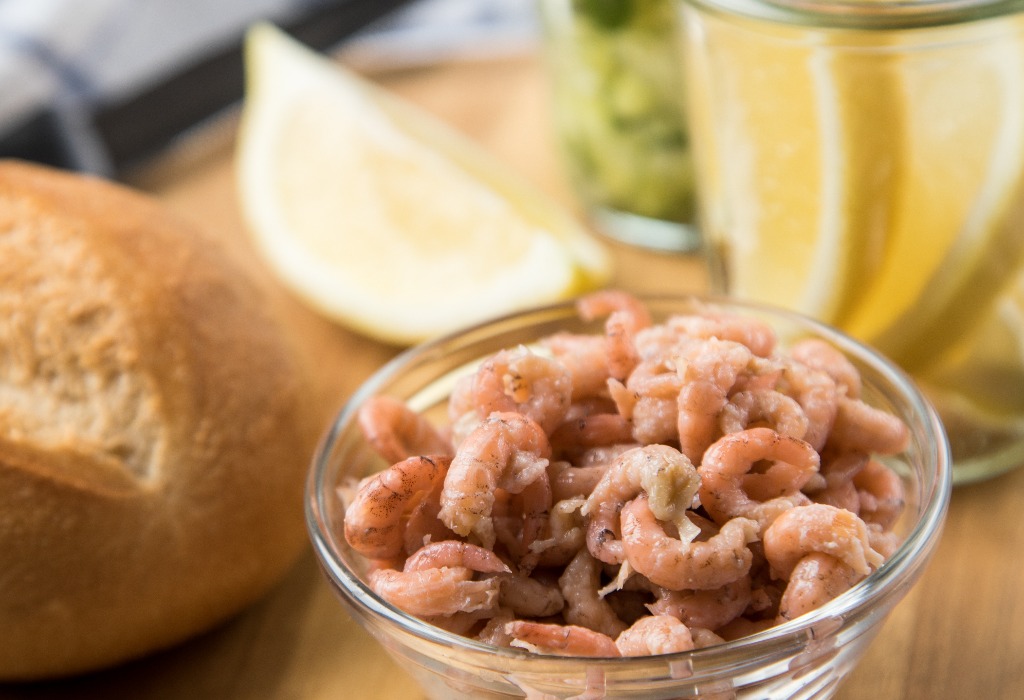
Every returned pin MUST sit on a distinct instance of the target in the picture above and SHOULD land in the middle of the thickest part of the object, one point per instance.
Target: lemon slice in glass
(799, 214)
(955, 240)
(384, 218)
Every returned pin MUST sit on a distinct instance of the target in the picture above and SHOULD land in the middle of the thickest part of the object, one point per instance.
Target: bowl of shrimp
(623, 497)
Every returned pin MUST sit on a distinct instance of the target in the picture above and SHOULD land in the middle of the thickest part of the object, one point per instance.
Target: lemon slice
(955, 237)
(800, 216)
(384, 218)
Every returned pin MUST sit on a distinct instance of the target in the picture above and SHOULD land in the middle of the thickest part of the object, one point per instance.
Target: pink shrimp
(604, 456)
(580, 584)
(663, 473)
(422, 525)
(575, 436)
(880, 491)
(430, 592)
(586, 359)
(702, 639)
(528, 596)
(755, 335)
(655, 634)
(397, 432)
(522, 381)
(818, 396)
(725, 478)
(626, 315)
(822, 355)
(527, 516)
(709, 370)
(816, 579)
(373, 521)
(649, 400)
(747, 409)
(605, 302)
(508, 451)
(818, 528)
(710, 609)
(452, 553)
(859, 426)
(676, 564)
(568, 481)
(493, 632)
(842, 495)
(564, 536)
(560, 640)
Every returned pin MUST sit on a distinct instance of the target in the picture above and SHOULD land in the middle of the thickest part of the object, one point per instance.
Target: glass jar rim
(867, 14)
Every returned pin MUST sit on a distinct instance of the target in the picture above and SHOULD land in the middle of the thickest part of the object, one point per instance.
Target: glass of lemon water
(618, 117)
(862, 161)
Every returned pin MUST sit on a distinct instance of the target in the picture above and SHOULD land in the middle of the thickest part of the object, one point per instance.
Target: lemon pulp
(384, 218)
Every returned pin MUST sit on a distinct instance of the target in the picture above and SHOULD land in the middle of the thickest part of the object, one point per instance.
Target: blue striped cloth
(75, 52)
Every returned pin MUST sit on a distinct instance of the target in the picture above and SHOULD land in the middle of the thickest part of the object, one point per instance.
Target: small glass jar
(618, 113)
(862, 162)
(803, 658)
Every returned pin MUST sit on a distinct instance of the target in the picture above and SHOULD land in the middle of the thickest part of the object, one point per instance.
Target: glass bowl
(807, 657)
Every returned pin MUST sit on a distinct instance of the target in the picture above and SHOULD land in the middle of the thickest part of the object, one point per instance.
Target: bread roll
(153, 434)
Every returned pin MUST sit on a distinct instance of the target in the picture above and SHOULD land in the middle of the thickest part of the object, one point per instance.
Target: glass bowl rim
(908, 558)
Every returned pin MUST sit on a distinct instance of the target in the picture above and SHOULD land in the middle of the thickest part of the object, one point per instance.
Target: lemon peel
(383, 217)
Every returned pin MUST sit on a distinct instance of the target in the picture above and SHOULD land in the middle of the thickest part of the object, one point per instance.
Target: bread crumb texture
(153, 436)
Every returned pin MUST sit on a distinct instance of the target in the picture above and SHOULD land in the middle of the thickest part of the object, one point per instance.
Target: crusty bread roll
(153, 434)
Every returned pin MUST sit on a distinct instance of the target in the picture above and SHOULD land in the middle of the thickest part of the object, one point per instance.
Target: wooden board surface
(959, 634)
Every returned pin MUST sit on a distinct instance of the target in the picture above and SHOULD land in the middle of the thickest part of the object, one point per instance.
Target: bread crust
(153, 431)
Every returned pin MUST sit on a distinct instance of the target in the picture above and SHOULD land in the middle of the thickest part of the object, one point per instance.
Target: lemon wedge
(384, 218)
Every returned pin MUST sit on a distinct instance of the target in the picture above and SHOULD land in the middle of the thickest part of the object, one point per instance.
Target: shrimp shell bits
(623, 497)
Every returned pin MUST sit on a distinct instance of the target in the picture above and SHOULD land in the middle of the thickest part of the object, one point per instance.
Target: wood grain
(959, 634)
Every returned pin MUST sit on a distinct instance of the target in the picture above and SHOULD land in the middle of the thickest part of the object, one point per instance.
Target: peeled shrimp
(676, 564)
(580, 584)
(859, 426)
(575, 436)
(655, 634)
(819, 354)
(664, 474)
(816, 579)
(527, 596)
(754, 334)
(568, 481)
(725, 478)
(564, 536)
(522, 381)
(818, 528)
(561, 640)
(525, 518)
(440, 591)
(451, 553)
(880, 493)
(422, 525)
(747, 409)
(373, 521)
(397, 432)
(626, 315)
(585, 357)
(508, 451)
(709, 609)
(709, 370)
(818, 396)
